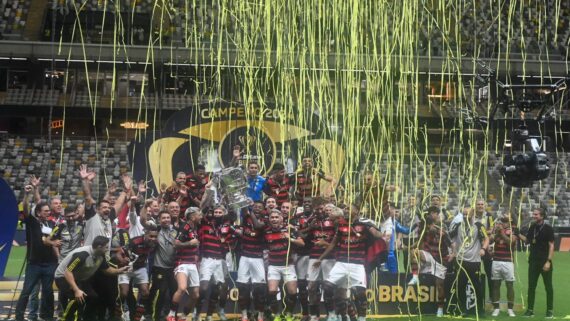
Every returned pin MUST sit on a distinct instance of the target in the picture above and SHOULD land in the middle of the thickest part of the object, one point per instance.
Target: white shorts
(251, 269)
(139, 276)
(302, 267)
(347, 275)
(320, 273)
(285, 273)
(191, 271)
(504, 271)
(215, 268)
(431, 266)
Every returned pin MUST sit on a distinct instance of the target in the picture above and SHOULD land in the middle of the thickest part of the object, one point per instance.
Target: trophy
(248, 141)
(232, 185)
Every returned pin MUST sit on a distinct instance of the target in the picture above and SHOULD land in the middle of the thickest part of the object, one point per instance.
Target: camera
(530, 164)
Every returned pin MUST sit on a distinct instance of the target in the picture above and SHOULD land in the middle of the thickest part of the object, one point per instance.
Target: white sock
(172, 313)
(244, 313)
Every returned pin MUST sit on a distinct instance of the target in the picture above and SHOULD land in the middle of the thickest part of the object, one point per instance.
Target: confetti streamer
(391, 88)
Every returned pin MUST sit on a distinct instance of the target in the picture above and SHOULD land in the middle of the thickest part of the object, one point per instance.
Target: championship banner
(391, 295)
(208, 133)
(9, 219)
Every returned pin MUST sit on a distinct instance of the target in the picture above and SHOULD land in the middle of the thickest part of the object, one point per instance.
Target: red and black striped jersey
(278, 242)
(228, 236)
(503, 250)
(322, 229)
(308, 184)
(187, 255)
(263, 217)
(300, 222)
(252, 244)
(196, 188)
(281, 191)
(171, 195)
(437, 245)
(136, 245)
(352, 242)
(210, 240)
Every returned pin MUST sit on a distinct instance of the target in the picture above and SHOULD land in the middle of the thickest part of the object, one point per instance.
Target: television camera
(529, 164)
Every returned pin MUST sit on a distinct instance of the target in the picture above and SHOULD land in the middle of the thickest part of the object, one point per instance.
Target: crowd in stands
(537, 29)
(13, 15)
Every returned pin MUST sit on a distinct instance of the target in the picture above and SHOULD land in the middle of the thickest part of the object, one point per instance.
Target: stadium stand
(13, 21)
(57, 163)
(545, 31)
(537, 30)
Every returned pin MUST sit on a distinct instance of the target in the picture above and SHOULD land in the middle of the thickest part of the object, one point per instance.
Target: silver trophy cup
(233, 185)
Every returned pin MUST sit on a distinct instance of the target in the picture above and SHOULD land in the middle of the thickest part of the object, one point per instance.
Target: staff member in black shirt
(42, 259)
(540, 236)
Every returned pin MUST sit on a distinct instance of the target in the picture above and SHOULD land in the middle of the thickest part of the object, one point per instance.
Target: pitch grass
(561, 288)
(15, 261)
